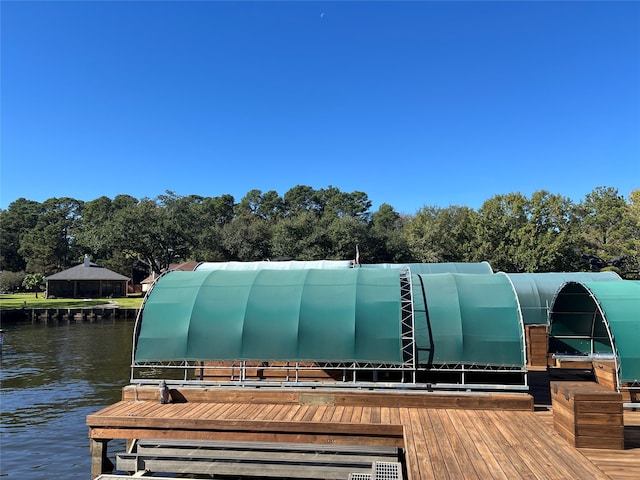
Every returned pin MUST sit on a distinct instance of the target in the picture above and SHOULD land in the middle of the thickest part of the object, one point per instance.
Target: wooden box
(588, 415)
(605, 373)
(537, 343)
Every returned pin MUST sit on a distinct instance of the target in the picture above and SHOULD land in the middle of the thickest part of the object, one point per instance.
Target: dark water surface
(52, 376)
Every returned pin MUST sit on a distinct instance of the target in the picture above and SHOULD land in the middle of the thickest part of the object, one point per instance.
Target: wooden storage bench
(588, 415)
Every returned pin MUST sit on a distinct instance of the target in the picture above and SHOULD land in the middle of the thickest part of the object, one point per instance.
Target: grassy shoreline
(28, 300)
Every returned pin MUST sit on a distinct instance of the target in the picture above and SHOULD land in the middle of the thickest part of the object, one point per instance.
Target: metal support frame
(409, 353)
(598, 315)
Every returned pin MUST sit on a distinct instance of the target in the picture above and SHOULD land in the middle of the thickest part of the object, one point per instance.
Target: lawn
(29, 300)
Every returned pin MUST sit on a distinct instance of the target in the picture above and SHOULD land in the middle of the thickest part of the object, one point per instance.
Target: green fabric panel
(217, 315)
(424, 268)
(271, 316)
(444, 317)
(293, 315)
(164, 328)
(620, 302)
(474, 319)
(424, 345)
(378, 335)
(536, 291)
(532, 302)
(327, 317)
(569, 346)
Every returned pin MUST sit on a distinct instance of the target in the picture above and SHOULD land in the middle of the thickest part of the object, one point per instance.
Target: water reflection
(52, 376)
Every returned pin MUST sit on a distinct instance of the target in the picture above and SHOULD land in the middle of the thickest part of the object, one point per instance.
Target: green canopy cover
(469, 319)
(332, 315)
(594, 317)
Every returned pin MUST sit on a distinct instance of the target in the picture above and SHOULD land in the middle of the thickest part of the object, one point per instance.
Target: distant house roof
(87, 271)
(185, 267)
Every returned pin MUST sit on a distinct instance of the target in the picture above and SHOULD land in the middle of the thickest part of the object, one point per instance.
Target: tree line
(513, 232)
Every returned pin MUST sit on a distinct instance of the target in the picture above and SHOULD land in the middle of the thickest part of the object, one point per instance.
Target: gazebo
(87, 280)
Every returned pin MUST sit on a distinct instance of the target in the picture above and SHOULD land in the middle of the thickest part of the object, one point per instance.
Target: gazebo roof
(87, 271)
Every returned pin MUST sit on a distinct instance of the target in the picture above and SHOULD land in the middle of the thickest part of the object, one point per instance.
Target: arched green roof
(599, 317)
(446, 267)
(536, 291)
(285, 265)
(467, 319)
(345, 315)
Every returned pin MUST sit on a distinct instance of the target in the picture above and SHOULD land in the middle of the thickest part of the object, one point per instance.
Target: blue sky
(414, 103)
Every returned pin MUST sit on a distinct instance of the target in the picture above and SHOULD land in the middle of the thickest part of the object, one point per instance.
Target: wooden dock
(445, 435)
(68, 314)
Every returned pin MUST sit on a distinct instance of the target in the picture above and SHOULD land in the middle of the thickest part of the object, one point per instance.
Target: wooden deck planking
(470, 456)
(496, 444)
(270, 412)
(490, 461)
(525, 450)
(449, 456)
(439, 443)
(534, 448)
(328, 415)
(435, 456)
(552, 441)
(420, 448)
(615, 464)
(411, 452)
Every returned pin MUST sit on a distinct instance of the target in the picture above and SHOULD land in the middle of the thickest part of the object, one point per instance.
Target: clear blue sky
(414, 103)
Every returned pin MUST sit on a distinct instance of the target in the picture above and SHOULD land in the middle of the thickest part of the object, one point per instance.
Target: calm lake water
(52, 376)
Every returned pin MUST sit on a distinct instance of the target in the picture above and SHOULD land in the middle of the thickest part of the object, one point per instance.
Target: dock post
(100, 462)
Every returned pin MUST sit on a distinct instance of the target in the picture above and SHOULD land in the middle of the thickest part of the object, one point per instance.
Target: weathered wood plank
(525, 450)
(446, 449)
(470, 430)
(541, 444)
(412, 454)
(328, 396)
(495, 443)
(470, 457)
(150, 444)
(435, 459)
(247, 468)
(249, 436)
(422, 448)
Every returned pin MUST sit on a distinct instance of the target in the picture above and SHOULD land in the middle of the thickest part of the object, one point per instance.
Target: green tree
(301, 199)
(11, 281)
(501, 221)
(438, 234)
(550, 240)
(96, 236)
(50, 245)
(20, 217)
(607, 226)
(387, 242)
(247, 238)
(633, 249)
(34, 282)
(296, 237)
(212, 214)
(152, 232)
(421, 233)
(334, 203)
(344, 234)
